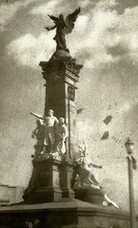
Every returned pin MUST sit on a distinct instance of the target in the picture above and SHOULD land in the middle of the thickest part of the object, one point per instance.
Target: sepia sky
(105, 41)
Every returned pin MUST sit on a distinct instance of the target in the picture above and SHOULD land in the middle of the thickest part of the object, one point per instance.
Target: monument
(52, 163)
(62, 192)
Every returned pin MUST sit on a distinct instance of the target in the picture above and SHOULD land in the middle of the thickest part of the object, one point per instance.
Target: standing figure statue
(63, 26)
(39, 134)
(61, 135)
(50, 122)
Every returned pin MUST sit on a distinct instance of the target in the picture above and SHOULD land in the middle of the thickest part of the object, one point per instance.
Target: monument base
(44, 185)
(95, 196)
(42, 195)
(50, 181)
(71, 214)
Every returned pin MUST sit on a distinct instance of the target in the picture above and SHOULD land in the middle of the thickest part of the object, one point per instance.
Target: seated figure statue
(85, 179)
(84, 174)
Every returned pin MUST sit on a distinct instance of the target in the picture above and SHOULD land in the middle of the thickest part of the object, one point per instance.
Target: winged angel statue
(63, 26)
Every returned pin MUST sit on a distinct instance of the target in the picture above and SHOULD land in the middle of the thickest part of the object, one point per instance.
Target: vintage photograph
(69, 113)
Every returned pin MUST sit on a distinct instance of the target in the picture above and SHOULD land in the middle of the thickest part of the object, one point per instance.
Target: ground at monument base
(63, 214)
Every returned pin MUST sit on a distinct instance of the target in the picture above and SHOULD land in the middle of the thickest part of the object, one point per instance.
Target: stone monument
(61, 193)
(53, 160)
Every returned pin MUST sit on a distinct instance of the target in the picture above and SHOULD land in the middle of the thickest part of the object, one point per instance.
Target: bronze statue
(63, 26)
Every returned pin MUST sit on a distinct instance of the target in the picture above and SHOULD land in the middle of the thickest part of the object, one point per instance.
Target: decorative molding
(61, 67)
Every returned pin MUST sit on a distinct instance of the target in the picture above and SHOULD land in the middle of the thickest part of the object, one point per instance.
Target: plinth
(50, 181)
(44, 185)
(69, 214)
(66, 180)
(91, 195)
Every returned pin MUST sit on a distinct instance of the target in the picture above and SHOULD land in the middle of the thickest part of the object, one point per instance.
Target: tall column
(61, 75)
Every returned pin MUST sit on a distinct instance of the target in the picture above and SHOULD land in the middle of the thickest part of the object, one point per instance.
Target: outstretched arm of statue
(96, 166)
(37, 115)
(50, 28)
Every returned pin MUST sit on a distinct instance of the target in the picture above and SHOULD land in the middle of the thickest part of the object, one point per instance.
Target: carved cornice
(61, 68)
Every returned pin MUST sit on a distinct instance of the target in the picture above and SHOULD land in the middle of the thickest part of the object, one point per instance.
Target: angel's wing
(55, 19)
(70, 19)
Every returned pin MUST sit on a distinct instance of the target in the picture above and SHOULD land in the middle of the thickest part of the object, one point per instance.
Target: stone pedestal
(44, 185)
(66, 180)
(91, 195)
(50, 181)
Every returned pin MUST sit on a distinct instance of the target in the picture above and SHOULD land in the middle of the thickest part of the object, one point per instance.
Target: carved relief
(71, 93)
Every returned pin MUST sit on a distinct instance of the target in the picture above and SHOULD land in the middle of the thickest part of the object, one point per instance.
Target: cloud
(101, 36)
(126, 107)
(107, 35)
(8, 11)
(106, 4)
(26, 49)
(60, 6)
(46, 8)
